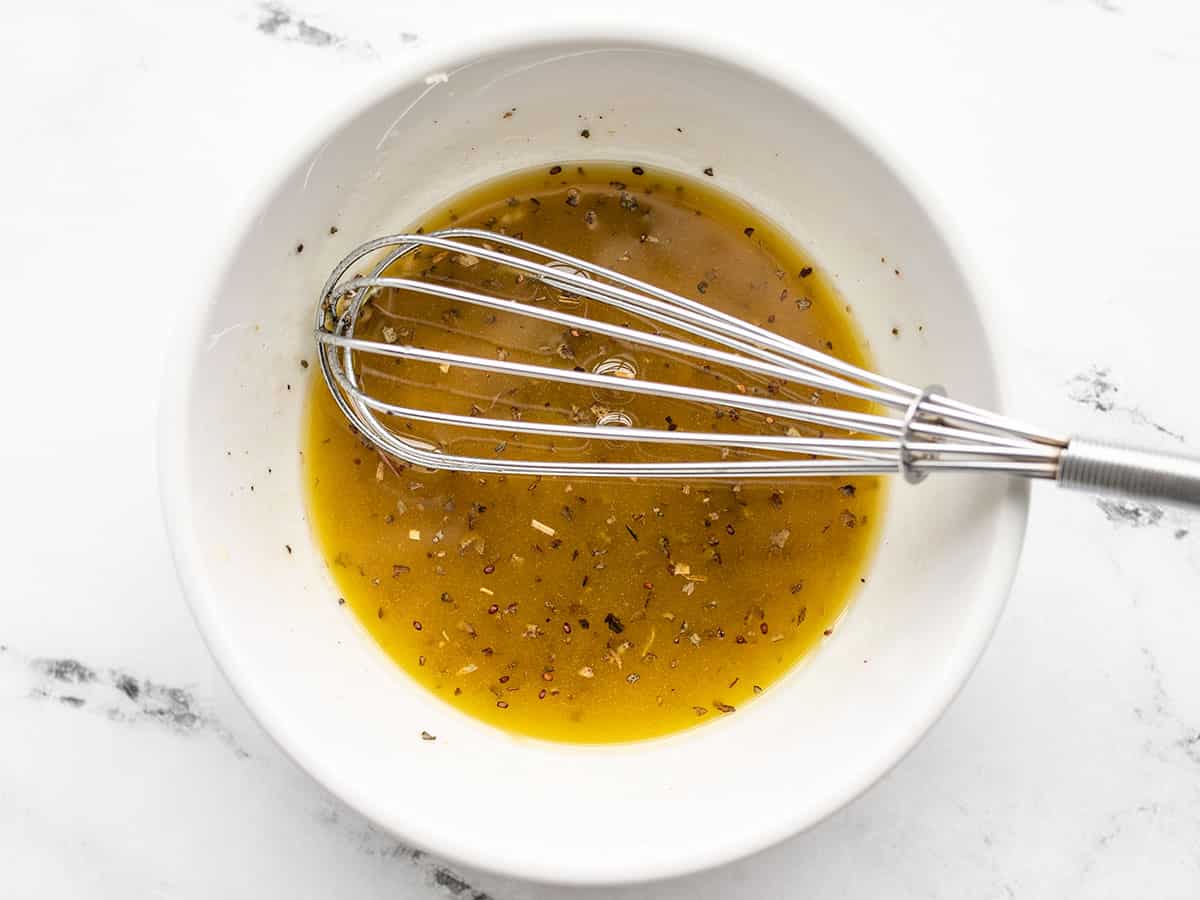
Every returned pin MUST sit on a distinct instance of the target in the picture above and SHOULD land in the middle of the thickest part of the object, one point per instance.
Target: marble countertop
(1063, 136)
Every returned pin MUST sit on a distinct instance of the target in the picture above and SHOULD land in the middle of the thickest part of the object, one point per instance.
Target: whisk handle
(1132, 472)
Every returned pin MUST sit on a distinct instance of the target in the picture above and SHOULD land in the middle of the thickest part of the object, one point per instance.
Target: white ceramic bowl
(312, 675)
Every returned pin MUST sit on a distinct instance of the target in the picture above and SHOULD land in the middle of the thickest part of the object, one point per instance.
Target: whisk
(917, 431)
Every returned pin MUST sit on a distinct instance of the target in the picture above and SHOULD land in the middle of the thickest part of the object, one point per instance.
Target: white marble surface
(1063, 135)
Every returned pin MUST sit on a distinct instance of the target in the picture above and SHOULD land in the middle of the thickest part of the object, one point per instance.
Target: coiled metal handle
(1132, 472)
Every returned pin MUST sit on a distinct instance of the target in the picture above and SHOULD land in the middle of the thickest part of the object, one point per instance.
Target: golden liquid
(603, 610)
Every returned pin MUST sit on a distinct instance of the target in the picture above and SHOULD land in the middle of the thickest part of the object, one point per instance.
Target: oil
(591, 611)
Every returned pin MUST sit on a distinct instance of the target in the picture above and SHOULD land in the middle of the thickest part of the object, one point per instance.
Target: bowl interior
(344, 711)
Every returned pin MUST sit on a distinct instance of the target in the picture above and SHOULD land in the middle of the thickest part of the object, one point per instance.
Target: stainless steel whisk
(923, 430)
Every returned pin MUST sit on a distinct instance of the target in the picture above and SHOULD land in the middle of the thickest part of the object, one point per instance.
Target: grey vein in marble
(1160, 709)
(1095, 389)
(123, 697)
(372, 842)
(1131, 514)
(280, 22)
(366, 838)
(455, 886)
(1126, 512)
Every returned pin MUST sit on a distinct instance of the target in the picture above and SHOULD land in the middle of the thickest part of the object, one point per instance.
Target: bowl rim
(172, 453)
